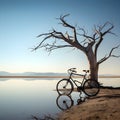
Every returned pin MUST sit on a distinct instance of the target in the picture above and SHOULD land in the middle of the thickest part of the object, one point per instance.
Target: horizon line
(36, 76)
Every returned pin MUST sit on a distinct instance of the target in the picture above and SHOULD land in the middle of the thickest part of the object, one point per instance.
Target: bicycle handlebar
(73, 70)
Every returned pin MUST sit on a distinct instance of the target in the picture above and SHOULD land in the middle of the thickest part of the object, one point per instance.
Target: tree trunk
(93, 66)
(94, 72)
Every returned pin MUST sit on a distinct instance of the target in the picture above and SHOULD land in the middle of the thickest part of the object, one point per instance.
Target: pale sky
(22, 20)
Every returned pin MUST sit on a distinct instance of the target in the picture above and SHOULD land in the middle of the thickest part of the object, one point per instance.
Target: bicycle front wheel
(91, 87)
(64, 87)
(64, 102)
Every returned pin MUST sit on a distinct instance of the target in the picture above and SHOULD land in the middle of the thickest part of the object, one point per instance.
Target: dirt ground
(104, 106)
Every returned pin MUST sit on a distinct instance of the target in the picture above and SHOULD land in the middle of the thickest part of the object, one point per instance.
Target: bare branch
(83, 30)
(50, 47)
(98, 44)
(38, 46)
(89, 41)
(65, 24)
(103, 26)
(101, 33)
(109, 29)
(96, 33)
(110, 55)
(53, 47)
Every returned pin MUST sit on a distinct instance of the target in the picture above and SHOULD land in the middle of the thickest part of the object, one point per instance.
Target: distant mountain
(107, 75)
(3, 73)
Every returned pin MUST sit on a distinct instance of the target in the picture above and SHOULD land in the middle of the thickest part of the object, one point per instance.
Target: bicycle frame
(75, 81)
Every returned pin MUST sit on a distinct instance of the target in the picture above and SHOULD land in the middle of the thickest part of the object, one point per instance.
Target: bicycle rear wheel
(91, 87)
(64, 87)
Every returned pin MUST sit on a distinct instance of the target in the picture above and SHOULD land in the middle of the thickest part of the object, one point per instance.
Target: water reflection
(65, 102)
(21, 98)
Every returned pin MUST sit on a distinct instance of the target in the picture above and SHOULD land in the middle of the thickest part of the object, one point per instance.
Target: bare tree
(88, 45)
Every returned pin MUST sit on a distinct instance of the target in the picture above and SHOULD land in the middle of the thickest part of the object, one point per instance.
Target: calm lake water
(22, 98)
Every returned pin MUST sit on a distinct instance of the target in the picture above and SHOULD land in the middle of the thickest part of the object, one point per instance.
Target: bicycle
(88, 86)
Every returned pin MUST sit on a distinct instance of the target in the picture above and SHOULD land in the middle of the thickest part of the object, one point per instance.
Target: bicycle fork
(65, 84)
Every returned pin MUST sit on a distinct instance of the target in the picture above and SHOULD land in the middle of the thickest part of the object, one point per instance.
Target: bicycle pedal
(79, 88)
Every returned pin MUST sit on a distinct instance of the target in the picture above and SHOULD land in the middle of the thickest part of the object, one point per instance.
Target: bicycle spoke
(91, 87)
(64, 86)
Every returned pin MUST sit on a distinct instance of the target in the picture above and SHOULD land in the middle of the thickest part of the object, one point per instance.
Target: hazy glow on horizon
(22, 20)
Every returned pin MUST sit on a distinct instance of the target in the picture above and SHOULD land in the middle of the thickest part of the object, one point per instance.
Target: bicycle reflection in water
(65, 102)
